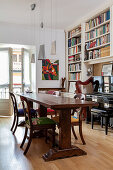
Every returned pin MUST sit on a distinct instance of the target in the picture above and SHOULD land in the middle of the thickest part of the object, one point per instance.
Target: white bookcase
(96, 43)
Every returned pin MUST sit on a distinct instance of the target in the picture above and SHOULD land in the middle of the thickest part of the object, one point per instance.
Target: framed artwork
(50, 69)
(107, 70)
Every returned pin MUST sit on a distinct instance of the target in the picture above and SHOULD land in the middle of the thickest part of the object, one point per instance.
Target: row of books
(74, 41)
(74, 50)
(75, 67)
(99, 41)
(104, 51)
(74, 32)
(71, 58)
(98, 20)
(97, 32)
(74, 58)
(74, 76)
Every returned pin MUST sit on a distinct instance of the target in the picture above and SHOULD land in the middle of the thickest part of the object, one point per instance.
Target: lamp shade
(41, 52)
(33, 58)
(53, 48)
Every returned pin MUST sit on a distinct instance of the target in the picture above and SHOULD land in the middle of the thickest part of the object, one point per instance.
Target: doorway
(15, 73)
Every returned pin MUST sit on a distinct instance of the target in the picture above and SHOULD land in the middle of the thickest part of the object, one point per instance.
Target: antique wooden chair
(17, 113)
(74, 122)
(33, 124)
(98, 113)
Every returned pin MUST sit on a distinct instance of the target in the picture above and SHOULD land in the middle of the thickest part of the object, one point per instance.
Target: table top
(57, 102)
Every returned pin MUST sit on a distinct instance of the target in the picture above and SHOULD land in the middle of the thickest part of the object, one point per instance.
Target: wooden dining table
(64, 105)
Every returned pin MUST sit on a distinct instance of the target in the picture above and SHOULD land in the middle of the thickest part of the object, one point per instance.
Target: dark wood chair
(18, 113)
(98, 113)
(33, 124)
(74, 120)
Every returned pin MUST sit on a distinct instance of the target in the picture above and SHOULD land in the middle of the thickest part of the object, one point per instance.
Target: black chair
(17, 113)
(34, 124)
(106, 114)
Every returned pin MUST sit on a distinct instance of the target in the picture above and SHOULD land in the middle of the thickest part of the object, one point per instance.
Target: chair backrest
(26, 107)
(13, 98)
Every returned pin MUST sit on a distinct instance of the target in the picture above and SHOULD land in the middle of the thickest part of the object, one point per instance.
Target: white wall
(21, 34)
(16, 34)
(59, 36)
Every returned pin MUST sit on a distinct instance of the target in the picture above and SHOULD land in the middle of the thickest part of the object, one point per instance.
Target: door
(5, 80)
(26, 70)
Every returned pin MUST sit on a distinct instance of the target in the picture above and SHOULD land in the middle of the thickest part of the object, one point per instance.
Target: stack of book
(74, 76)
(74, 50)
(98, 20)
(74, 32)
(75, 67)
(99, 41)
(71, 59)
(75, 41)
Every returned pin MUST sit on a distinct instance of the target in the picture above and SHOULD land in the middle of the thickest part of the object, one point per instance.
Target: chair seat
(41, 121)
(50, 110)
(73, 119)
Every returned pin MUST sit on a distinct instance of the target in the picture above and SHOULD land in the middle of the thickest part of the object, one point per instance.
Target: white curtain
(26, 68)
(4, 67)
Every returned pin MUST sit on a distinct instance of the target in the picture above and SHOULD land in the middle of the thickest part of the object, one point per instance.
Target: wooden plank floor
(99, 148)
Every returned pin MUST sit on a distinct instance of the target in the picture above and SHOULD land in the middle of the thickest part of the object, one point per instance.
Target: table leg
(65, 129)
(65, 149)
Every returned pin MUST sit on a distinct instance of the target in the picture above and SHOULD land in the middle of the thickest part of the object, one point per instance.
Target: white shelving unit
(74, 54)
(97, 35)
(90, 62)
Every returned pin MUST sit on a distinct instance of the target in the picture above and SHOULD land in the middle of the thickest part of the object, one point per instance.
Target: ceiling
(64, 12)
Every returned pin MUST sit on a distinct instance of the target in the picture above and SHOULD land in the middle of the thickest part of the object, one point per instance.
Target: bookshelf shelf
(99, 60)
(74, 71)
(74, 62)
(72, 80)
(75, 54)
(75, 45)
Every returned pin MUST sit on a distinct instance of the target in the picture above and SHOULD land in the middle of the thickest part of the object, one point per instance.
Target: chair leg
(53, 141)
(25, 136)
(81, 135)
(106, 125)
(13, 122)
(74, 133)
(15, 125)
(29, 142)
(92, 119)
(101, 121)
